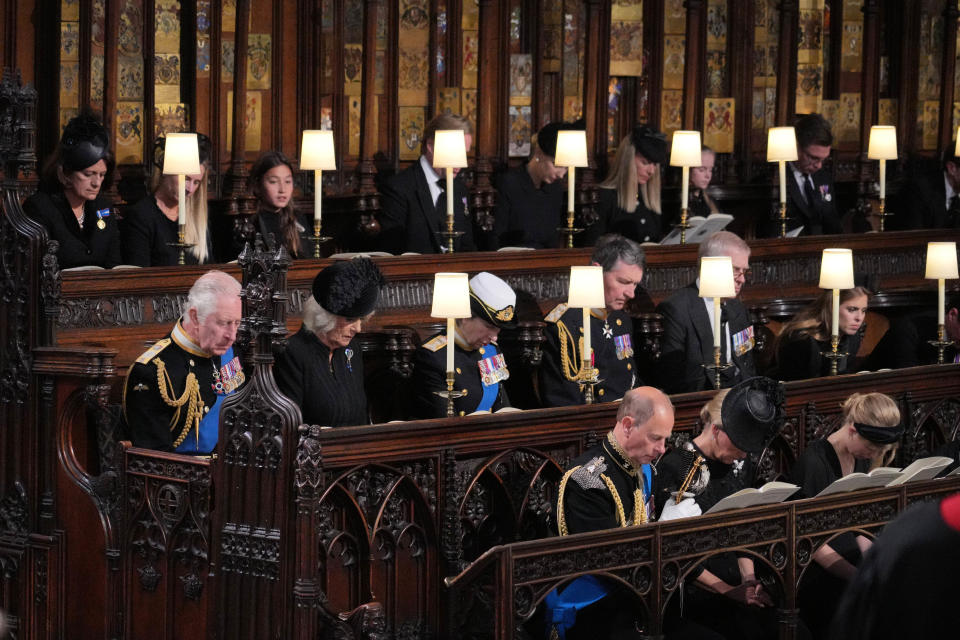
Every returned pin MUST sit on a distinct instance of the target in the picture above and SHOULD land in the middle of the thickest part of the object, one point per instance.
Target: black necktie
(442, 200)
(808, 191)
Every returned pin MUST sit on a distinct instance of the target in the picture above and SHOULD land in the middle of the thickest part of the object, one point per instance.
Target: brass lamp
(716, 281)
(586, 292)
(317, 153)
(782, 148)
(181, 157)
(449, 152)
(685, 152)
(451, 300)
(941, 265)
(883, 147)
(571, 153)
(836, 273)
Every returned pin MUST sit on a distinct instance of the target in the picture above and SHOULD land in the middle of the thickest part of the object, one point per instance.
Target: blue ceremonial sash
(209, 424)
(562, 606)
(490, 391)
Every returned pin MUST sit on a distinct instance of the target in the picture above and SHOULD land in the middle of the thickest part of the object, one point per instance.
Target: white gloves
(687, 508)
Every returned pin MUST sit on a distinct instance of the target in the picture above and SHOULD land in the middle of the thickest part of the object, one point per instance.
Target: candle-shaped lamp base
(588, 378)
(450, 394)
(717, 368)
(833, 355)
(316, 238)
(181, 246)
(941, 343)
(882, 212)
(683, 225)
(782, 217)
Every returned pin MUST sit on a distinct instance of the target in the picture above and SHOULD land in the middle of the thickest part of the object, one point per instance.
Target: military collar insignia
(619, 454)
(182, 340)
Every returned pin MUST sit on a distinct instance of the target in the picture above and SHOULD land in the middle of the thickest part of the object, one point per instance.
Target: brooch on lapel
(349, 353)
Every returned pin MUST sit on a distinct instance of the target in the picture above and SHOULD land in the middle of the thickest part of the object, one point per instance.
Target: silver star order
(607, 331)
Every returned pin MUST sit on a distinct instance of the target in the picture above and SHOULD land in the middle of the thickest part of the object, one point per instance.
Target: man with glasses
(811, 201)
(687, 343)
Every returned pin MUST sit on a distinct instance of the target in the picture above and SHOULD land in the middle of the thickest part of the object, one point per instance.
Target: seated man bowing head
(610, 331)
(687, 342)
(322, 367)
(478, 365)
(173, 392)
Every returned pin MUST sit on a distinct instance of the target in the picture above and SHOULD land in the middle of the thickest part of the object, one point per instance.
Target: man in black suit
(907, 342)
(687, 342)
(811, 200)
(413, 202)
(931, 199)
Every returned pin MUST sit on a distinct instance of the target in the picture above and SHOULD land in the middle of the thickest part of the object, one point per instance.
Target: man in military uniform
(609, 486)
(478, 365)
(611, 331)
(173, 392)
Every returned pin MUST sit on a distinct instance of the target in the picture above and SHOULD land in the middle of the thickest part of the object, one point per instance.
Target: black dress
(90, 245)
(430, 360)
(816, 468)
(799, 356)
(643, 225)
(527, 216)
(613, 355)
(713, 481)
(268, 223)
(147, 235)
(329, 392)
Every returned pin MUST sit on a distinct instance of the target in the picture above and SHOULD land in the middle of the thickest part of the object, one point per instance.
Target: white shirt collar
(432, 177)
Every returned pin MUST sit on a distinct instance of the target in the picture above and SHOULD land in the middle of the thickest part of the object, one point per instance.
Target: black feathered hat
(349, 288)
(84, 142)
(649, 143)
(752, 413)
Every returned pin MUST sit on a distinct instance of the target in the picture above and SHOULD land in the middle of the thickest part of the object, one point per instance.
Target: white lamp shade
(781, 144)
(451, 296)
(181, 155)
(883, 143)
(941, 260)
(836, 269)
(685, 151)
(586, 288)
(716, 277)
(317, 151)
(449, 149)
(571, 149)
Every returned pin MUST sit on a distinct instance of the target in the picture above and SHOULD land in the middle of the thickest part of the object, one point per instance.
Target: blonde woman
(629, 199)
(870, 425)
(151, 225)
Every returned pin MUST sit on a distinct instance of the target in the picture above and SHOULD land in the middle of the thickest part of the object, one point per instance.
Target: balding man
(609, 486)
(687, 342)
(173, 393)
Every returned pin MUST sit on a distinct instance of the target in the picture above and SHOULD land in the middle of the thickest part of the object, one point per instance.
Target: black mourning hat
(349, 288)
(649, 143)
(547, 136)
(752, 413)
(84, 142)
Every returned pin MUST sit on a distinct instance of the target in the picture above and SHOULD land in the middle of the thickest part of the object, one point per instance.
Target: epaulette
(588, 475)
(436, 343)
(152, 352)
(557, 312)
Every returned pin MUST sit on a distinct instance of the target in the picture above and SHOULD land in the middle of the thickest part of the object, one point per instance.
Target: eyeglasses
(741, 273)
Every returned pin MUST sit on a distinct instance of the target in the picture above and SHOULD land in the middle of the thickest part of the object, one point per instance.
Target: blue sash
(209, 424)
(490, 392)
(562, 606)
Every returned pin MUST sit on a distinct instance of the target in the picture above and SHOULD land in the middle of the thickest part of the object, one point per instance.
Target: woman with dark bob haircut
(69, 205)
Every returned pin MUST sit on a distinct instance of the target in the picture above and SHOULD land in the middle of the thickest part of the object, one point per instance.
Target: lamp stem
(181, 215)
(571, 181)
(450, 224)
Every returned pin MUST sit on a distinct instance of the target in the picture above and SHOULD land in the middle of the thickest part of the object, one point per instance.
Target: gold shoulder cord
(639, 509)
(569, 366)
(191, 398)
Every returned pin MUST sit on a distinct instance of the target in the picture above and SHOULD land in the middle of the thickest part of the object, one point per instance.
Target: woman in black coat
(271, 180)
(801, 343)
(629, 199)
(151, 225)
(68, 204)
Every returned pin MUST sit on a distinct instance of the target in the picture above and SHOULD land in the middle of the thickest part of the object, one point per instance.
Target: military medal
(493, 370)
(101, 214)
(228, 377)
(607, 331)
(349, 353)
(624, 346)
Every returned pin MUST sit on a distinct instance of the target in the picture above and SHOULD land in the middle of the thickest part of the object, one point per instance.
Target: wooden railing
(495, 595)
